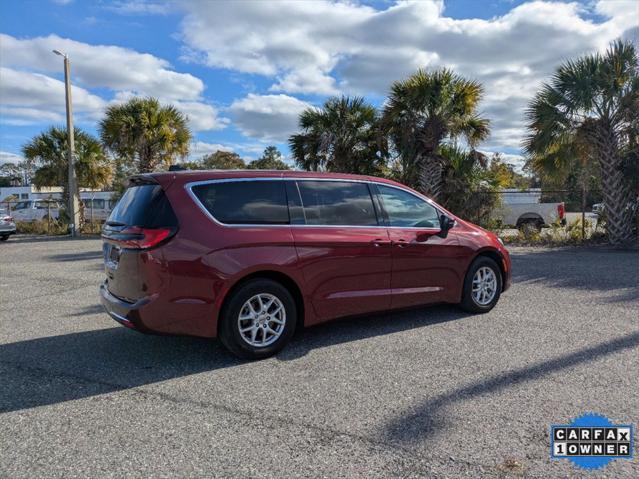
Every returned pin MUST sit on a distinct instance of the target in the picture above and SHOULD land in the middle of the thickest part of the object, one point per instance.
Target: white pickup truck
(523, 210)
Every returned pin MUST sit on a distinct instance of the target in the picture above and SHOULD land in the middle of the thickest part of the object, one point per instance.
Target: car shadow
(50, 370)
(86, 255)
(354, 328)
(28, 238)
(429, 417)
(591, 269)
(89, 310)
(54, 369)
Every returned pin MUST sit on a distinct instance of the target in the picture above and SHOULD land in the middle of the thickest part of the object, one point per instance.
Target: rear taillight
(141, 238)
(7, 218)
(561, 210)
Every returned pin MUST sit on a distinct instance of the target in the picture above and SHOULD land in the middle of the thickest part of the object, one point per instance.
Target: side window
(95, 203)
(337, 203)
(245, 202)
(406, 209)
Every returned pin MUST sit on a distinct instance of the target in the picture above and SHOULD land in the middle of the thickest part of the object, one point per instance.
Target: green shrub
(42, 227)
(91, 227)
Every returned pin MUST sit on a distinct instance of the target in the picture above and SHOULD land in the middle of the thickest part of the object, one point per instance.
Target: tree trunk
(616, 190)
(430, 175)
(65, 201)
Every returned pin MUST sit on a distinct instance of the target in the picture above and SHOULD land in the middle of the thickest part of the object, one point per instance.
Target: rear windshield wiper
(115, 223)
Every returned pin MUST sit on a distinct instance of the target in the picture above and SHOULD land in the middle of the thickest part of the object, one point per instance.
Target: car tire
(530, 226)
(471, 297)
(4, 238)
(260, 334)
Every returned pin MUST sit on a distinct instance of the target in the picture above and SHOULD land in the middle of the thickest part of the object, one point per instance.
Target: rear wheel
(530, 226)
(482, 286)
(4, 238)
(258, 319)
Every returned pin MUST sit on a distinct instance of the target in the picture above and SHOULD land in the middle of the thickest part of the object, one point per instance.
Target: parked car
(250, 256)
(7, 226)
(523, 210)
(35, 210)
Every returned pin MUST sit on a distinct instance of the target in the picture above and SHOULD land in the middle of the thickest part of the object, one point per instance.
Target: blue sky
(242, 71)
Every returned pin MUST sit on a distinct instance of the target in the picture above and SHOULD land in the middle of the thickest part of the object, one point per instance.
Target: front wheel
(258, 319)
(482, 286)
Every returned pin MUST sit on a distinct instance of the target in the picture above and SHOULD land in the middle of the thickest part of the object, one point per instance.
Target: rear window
(245, 202)
(337, 203)
(145, 206)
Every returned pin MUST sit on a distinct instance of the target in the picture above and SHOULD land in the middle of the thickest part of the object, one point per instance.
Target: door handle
(379, 242)
(401, 243)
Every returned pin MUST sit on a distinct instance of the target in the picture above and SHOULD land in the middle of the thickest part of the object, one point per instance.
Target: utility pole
(74, 201)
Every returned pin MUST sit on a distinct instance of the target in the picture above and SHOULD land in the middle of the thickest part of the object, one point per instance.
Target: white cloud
(323, 47)
(123, 71)
(106, 66)
(268, 117)
(32, 98)
(202, 116)
(200, 148)
(141, 7)
(7, 157)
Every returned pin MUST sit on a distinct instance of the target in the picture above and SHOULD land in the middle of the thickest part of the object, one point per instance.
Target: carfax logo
(591, 441)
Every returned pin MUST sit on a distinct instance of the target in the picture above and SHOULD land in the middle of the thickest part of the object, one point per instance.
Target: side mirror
(445, 224)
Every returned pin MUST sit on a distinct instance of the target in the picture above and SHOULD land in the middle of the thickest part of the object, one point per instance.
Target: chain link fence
(48, 215)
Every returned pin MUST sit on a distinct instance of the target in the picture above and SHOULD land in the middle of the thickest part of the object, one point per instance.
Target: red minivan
(250, 256)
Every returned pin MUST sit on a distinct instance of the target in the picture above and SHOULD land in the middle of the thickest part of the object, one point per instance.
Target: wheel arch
(528, 217)
(496, 256)
(285, 280)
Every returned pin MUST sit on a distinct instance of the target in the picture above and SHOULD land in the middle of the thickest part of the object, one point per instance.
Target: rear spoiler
(144, 179)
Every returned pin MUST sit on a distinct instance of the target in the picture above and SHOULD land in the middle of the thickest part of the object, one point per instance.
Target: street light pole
(74, 201)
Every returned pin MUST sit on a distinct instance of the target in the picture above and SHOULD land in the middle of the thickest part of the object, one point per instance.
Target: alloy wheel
(261, 320)
(484, 286)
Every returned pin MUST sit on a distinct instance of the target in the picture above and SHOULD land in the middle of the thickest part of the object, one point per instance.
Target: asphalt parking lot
(432, 392)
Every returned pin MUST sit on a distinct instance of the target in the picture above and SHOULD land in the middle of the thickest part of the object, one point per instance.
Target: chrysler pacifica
(250, 256)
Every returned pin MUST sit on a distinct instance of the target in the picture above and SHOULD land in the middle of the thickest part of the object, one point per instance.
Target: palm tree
(425, 110)
(468, 187)
(596, 97)
(341, 136)
(144, 134)
(47, 154)
(572, 161)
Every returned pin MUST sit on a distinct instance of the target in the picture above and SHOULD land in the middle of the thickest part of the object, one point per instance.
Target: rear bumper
(7, 230)
(125, 313)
